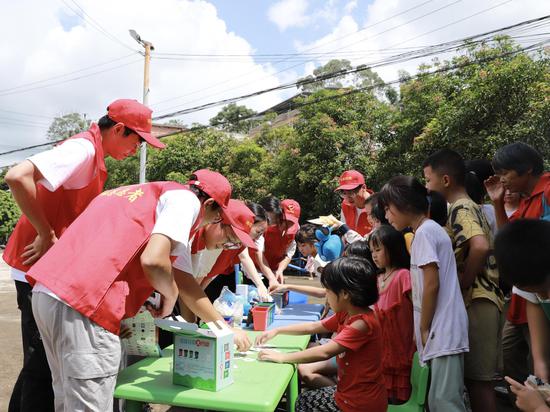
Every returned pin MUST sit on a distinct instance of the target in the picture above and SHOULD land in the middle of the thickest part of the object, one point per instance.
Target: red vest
(60, 207)
(277, 243)
(225, 262)
(95, 267)
(361, 225)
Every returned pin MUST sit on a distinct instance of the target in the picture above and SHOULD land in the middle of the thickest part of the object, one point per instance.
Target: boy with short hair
(445, 172)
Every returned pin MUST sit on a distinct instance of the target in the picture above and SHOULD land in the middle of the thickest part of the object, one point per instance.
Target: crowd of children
(421, 272)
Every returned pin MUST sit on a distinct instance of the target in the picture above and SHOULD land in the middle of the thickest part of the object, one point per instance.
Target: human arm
(478, 249)
(495, 190)
(265, 269)
(194, 298)
(22, 180)
(283, 264)
(157, 267)
(313, 354)
(306, 290)
(252, 273)
(306, 328)
(539, 331)
(429, 299)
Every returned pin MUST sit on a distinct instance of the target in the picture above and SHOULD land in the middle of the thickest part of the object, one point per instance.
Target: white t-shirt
(70, 165)
(176, 212)
(449, 329)
(357, 214)
(529, 296)
(489, 212)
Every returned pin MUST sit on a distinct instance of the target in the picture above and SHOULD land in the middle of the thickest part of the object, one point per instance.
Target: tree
(308, 83)
(67, 125)
(230, 119)
(496, 95)
(9, 215)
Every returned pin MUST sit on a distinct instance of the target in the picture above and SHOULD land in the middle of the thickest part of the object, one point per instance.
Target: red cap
(241, 219)
(214, 184)
(349, 180)
(135, 116)
(291, 210)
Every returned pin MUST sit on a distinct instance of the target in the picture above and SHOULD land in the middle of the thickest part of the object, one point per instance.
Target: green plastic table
(258, 386)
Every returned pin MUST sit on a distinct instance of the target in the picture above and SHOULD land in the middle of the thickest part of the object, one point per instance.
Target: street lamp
(148, 46)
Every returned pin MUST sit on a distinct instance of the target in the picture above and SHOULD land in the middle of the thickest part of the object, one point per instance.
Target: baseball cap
(291, 210)
(241, 219)
(349, 180)
(135, 116)
(214, 184)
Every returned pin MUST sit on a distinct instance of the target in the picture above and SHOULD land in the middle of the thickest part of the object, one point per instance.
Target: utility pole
(148, 46)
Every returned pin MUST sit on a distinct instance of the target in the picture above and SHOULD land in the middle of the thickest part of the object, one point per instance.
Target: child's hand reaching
(266, 336)
(528, 399)
(278, 288)
(271, 356)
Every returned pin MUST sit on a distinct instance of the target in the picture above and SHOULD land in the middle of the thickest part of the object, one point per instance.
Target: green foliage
(9, 215)
(67, 125)
(229, 119)
(481, 105)
(474, 109)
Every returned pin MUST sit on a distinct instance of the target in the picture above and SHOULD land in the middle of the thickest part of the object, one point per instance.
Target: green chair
(419, 383)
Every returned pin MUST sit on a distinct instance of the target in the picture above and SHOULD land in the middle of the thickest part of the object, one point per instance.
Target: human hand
(278, 288)
(494, 188)
(528, 399)
(241, 340)
(425, 334)
(167, 303)
(263, 293)
(273, 284)
(32, 252)
(271, 356)
(265, 337)
(279, 276)
(125, 332)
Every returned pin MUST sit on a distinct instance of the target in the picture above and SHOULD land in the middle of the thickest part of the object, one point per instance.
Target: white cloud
(48, 50)
(289, 13)
(350, 6)
(392, 35)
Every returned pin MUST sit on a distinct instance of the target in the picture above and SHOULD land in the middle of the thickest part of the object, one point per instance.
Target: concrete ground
(11, 357)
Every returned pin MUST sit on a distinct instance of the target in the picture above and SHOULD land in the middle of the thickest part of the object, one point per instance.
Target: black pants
(33, 389)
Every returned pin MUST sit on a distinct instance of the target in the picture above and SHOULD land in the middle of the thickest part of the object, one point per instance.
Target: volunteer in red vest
(52, 188)
(105, 266)
(279, 245)
(225, 263)
(354, 193)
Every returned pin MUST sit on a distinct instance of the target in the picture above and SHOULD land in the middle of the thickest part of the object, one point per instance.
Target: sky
(62, 56)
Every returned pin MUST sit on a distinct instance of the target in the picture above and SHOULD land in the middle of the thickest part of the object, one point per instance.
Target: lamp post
(148, 46)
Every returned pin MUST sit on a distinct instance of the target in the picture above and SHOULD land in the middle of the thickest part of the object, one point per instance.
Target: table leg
(292, 391)
(133, 406)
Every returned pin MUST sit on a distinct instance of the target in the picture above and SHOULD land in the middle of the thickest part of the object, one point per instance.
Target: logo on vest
(126, 192)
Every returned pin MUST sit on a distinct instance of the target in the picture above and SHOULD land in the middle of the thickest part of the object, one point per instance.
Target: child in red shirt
(351, 290)
(390, 255)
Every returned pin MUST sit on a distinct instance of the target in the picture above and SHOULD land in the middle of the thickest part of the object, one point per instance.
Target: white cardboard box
(203, 358)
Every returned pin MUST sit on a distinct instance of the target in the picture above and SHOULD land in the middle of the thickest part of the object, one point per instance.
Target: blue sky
(250, 20)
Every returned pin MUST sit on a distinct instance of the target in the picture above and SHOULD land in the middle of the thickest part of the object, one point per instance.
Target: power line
(69, 80)
(431, 50)
(94, 24)
(26, 114)
(24, 85)
(307, 50)
(532, 47)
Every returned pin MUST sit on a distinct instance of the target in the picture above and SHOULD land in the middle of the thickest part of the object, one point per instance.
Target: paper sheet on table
(324, 220)
(144, 339)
